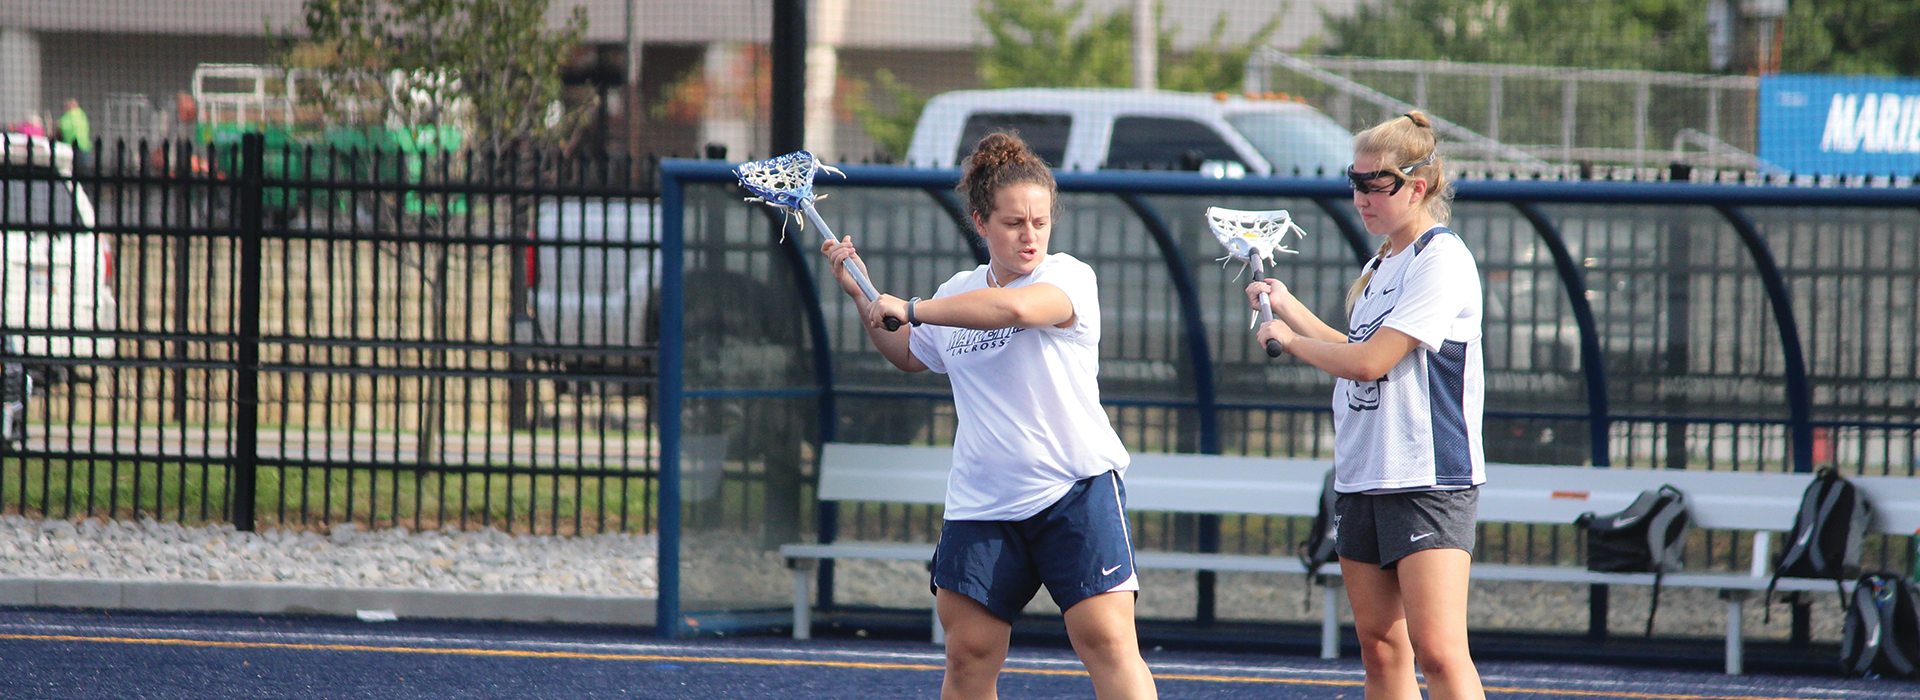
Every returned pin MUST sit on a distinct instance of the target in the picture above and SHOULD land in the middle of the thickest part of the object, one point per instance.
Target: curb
(295, 599)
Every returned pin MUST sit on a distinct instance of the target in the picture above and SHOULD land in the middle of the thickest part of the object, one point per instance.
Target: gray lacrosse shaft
(859, 278)
(1266, 307)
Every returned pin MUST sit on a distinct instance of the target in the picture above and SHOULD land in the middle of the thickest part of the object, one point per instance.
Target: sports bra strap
(1425, 238)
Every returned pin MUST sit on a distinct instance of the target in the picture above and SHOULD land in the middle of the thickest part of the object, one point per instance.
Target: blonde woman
(1407, 406)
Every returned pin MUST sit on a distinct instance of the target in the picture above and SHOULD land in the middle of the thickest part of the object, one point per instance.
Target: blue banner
(1840, 125)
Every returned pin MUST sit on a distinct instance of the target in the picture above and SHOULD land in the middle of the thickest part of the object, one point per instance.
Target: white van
(1103, 128)
(584, 287)
(59, 273)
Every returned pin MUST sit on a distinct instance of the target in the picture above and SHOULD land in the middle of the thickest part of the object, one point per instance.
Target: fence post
(789, 50)
(1799, 389)
(1205, 403)
(246, 380)
(667, 622)
(1592, 360)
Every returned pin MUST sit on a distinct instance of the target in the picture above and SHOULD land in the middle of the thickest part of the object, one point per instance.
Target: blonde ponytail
(1360, 285)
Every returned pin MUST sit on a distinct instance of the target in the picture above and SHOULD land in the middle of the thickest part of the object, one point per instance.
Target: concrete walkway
(281, 598)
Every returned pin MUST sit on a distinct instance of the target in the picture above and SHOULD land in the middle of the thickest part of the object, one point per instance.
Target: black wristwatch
(910, 319)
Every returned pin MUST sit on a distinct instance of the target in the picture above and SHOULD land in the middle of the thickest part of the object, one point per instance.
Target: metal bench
(1752, 501)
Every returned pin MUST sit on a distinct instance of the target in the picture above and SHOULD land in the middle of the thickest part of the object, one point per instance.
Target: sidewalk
(283, 598)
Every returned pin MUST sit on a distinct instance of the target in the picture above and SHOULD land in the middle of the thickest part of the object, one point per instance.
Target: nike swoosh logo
(1111, 569)
(1623, 522)
(1417, 538)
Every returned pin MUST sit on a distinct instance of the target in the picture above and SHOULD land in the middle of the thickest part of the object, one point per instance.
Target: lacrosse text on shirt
(965, 340)
(1418, 426)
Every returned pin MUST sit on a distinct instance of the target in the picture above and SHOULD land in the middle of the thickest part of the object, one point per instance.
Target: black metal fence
(286, 337)
(294, 338)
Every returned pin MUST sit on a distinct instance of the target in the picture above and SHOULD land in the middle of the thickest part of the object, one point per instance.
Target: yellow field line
(512, 653)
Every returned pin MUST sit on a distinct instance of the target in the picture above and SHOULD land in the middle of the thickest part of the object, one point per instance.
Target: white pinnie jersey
(1418, 427)
(1027, 399)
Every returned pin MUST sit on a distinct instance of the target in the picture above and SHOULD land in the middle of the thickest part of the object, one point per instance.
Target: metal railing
(1524, 115)
(1633, 325)
(297, 338)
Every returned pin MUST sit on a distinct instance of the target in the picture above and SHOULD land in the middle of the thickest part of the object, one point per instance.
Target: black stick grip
(1273, 348)
(892, 324)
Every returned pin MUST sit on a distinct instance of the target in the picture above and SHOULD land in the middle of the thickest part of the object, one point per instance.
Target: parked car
(16, 388)
(593, 293)
(58, 280)
(589, 299)
(1097, 128)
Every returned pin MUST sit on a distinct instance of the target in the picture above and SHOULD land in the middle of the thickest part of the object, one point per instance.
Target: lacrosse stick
(786, 183)
(1253, 237)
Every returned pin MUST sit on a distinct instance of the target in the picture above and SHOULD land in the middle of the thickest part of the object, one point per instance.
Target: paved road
(74, 655)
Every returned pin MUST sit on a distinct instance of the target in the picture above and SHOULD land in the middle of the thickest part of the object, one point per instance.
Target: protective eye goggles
(1364, 182)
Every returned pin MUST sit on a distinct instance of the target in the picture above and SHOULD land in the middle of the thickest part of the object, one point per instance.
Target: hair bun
(1000, 149)
(1000, 159)
(1420, 119)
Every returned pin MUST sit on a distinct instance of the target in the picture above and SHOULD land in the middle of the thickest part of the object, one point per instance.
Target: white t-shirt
(1028, 401)
(1419, 426)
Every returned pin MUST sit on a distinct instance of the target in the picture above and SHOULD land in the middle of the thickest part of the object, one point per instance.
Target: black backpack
(1318, 549)
(1825, 540)
(1881, 635)
(1648, 537)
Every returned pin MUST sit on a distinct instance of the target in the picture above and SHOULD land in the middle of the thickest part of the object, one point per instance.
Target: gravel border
(616, 571)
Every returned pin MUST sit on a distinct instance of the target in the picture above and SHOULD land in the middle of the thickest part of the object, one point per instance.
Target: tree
(891, 129)
(491, 66)
(1633, 34)
(1851, 37)
(1214, 66)
(487, 69)
(1035, 44)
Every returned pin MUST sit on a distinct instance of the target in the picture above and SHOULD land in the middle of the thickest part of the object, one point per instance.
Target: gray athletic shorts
(1384, 528)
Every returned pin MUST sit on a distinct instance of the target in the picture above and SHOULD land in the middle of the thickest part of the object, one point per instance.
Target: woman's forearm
(991, 309)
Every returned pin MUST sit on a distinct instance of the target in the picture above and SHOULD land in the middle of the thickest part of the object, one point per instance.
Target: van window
(1163, 143)
(1304, 142)
(38, 202)
(1045, 134)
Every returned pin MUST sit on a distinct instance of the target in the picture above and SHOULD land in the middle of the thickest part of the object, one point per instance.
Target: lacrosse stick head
(1250, 234)
(784, 181)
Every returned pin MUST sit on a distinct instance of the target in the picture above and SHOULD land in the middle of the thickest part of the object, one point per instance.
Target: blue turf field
(66, 655)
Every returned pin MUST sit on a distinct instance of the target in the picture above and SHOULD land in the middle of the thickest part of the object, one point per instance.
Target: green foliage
(1851, 37)
(490, 66)
(1035, 44)
(1818, 36)
(1665, 35)
(892, 130)
(1212, 67)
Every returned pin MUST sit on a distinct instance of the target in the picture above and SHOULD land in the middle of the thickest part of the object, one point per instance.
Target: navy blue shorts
(1079, 547)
